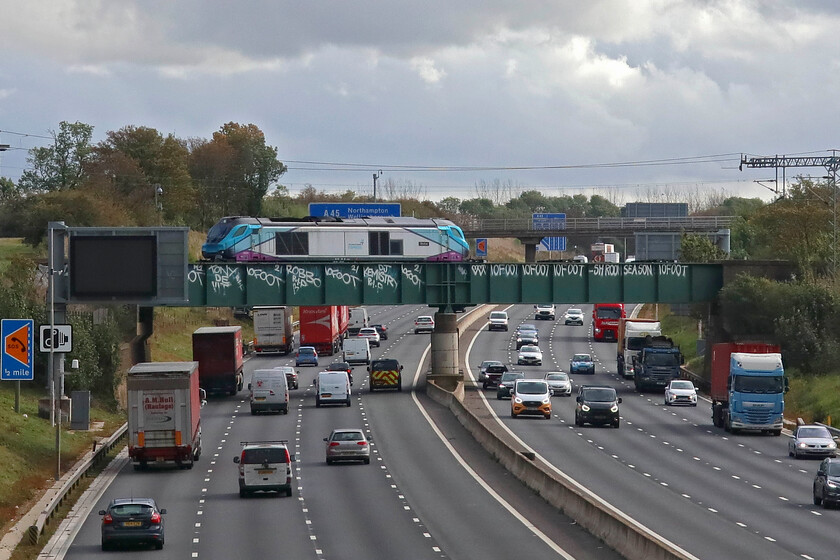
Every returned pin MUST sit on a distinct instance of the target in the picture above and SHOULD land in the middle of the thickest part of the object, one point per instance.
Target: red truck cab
(605, 319)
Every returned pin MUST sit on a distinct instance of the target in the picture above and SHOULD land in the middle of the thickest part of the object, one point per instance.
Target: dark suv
(493, 374)
(597, 404)
(827, 483)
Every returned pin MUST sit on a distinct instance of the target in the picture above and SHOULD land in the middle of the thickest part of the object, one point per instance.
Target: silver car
(559, 383)
(347, 444)
(812, 441)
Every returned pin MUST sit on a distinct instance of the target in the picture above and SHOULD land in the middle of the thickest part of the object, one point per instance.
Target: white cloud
(425, 68)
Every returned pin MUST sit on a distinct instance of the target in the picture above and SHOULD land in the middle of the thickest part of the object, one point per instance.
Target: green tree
(8, 190)
(450, 204)
(699, 249)
(256, 165)
(62, 166)
(479, 207)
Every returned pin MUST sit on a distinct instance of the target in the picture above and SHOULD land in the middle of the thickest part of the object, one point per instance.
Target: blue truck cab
(756, 388)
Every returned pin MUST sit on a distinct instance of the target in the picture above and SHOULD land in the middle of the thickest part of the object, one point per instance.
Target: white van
(358, 320)
(333, 387)
(269, 391)
(357, 350)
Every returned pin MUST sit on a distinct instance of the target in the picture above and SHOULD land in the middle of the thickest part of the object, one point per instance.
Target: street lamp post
(158, 204)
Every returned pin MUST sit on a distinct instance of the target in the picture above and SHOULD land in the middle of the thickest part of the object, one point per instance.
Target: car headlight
(517, 400)
(802, 445)
(585, 408)
(614, 408)
(546, 401)
(831, 484)
(832, 445)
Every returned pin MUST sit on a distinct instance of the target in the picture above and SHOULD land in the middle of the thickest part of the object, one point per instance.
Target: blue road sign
(481, 247)
(549, 221)
(16, 336)
(552, 244)
(355, 209)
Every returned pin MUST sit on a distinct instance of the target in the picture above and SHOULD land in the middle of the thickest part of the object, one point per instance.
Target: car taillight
(107, 520)
(288, 457)
(155, 518)
(361, 443)
(334, 444)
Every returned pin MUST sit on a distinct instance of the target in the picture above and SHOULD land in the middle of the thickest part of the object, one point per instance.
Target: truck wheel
(399, 385)
(317, 403)
(242, 493)
(817, 501)
(773, 432)
(616, 423)
(348, 401)
(289, 492)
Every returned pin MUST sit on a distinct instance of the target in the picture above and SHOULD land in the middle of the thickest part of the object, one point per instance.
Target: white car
(424, 323)
(530, 355)
(545, 311)
(680, 391)
(371, 334)
(559, 383)
(573, 316)
(498, 321)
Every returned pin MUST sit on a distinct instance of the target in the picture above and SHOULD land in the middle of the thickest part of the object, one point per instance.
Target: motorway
(429, 492)
(713, 494)
(432, 492)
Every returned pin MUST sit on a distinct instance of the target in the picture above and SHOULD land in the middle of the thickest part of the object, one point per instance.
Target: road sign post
(481, 247)
(355, 209)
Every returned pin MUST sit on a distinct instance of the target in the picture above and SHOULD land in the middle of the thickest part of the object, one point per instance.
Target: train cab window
(379, 242)
(292, 243)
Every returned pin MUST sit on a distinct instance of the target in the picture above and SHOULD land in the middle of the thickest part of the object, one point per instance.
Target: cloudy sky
(564, 96)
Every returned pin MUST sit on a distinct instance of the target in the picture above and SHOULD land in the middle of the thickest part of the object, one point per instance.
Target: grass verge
(27, 448)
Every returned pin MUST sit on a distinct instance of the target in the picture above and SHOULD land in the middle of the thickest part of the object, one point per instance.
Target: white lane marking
(487, 488)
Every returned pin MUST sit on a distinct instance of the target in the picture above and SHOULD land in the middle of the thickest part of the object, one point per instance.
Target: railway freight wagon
(243, 238)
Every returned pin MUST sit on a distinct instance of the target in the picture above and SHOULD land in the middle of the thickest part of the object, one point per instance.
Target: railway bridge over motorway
(530, 231)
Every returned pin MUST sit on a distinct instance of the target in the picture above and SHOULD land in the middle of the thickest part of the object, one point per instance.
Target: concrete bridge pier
(445, 370)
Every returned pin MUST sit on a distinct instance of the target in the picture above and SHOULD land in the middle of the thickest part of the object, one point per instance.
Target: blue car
(306, 356)
(582, 363)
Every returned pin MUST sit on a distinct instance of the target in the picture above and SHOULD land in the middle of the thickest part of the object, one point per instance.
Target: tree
(62, 166)
(256, 165)
(450, 204)
(135, 161)
(8, 190)
(699, 249)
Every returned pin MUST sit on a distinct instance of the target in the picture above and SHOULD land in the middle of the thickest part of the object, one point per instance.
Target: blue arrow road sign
(552, 244)
(16, 336)
(481, 247)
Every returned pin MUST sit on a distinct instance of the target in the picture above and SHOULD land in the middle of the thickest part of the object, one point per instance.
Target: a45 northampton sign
(17, 336)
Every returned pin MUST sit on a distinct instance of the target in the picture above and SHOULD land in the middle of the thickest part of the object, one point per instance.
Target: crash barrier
(621, 533)
(94, 458)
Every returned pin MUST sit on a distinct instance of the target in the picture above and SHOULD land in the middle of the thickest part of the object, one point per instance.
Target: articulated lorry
(164, 413)
(631, 337)
(321, 327)
(657, 364)
(748, 387)
(218, 351)
(273, 329)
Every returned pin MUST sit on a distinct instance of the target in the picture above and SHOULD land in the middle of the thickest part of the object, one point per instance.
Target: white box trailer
(164, 413)
(273, 329)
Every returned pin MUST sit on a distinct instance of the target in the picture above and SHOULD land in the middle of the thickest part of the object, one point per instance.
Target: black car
(382, 330)
(597, 405)
(132, 521)
(342, 366)
(827, 483)
(492, 375)
(506, 383)
(527, 338)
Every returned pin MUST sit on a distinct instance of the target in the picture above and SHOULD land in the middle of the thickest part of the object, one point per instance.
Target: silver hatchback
(347, 444)
(812, 441)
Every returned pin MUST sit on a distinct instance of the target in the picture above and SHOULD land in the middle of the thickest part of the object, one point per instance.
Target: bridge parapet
(528, 227)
